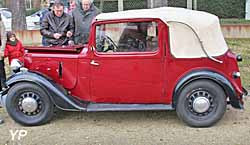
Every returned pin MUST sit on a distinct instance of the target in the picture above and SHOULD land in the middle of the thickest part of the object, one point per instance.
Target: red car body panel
(133, 77)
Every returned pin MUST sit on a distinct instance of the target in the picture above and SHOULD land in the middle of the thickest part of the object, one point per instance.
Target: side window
(127, 37)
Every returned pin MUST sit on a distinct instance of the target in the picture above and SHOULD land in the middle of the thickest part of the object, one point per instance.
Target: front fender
(56, 93)
(211, 75)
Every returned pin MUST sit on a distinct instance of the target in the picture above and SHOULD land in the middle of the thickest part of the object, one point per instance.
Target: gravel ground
(132, 128)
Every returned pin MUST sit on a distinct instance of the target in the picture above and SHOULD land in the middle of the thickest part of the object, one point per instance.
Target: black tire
(197, 89)
(44, 110)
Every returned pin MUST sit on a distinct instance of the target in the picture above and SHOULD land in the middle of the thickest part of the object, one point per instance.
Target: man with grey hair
(83, 16)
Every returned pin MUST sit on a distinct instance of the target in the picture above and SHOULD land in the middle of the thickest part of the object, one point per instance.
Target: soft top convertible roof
(205, 25)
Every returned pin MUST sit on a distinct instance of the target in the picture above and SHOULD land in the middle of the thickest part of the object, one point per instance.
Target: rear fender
(210, 75)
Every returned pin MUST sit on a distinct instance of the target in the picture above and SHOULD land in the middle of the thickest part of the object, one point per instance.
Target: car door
(127, 62)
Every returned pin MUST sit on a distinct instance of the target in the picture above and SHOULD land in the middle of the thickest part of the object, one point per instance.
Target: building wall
(236, 30)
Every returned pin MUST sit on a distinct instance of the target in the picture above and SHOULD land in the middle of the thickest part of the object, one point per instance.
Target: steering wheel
(106, 43)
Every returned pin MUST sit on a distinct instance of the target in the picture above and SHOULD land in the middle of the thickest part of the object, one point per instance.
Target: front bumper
(245, 93)
(237, 101)
(3, 96)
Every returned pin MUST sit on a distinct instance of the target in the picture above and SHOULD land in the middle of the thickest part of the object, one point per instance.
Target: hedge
(112, 6)
(221, 8)
(31, 11)
(224, 8)
(108, 6)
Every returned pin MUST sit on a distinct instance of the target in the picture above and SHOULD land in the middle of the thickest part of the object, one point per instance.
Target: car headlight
(15, 65)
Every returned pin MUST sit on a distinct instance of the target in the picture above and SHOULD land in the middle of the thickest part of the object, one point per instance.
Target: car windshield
(6, 14)
(38, 13)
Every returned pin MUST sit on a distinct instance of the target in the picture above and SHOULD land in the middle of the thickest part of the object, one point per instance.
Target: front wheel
(28, 104)
(201, 103)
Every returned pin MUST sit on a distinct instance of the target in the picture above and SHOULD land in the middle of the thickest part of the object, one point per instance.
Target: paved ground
(132, 128)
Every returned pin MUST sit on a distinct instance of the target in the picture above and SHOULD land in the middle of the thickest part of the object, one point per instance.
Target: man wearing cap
(57, 27)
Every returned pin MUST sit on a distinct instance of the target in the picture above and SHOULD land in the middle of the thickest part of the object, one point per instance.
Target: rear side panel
(180, 68)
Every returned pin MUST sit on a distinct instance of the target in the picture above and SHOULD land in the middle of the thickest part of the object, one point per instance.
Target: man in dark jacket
(83, 16)
(57, 27)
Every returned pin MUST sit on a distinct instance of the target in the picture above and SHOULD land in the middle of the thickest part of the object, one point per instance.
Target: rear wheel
(201, 103)
(28, 104)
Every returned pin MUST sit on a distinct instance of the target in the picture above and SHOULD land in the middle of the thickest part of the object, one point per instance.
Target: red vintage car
(153, 59)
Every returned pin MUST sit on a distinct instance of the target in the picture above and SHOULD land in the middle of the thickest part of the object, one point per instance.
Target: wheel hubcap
(201, 104)
(29, 104)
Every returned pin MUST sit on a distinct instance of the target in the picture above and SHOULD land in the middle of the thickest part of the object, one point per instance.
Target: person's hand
(71, 42)
(57, 35)
(69, 34)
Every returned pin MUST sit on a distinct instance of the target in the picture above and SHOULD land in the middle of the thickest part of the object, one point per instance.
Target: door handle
(94, 63)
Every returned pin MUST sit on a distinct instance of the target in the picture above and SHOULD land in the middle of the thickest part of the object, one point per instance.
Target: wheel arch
(216, 77)
(56, 93)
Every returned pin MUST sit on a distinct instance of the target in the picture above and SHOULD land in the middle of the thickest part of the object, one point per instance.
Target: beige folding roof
(182, 22)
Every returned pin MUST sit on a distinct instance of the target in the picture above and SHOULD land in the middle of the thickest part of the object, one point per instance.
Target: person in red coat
(14, 48)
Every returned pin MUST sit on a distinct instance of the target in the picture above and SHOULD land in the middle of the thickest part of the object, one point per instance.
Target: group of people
(68, 28)
(58, 27)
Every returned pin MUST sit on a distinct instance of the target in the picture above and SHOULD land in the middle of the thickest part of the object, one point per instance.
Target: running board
(127, 107)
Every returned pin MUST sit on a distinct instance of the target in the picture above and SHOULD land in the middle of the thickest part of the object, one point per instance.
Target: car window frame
(97, 23)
